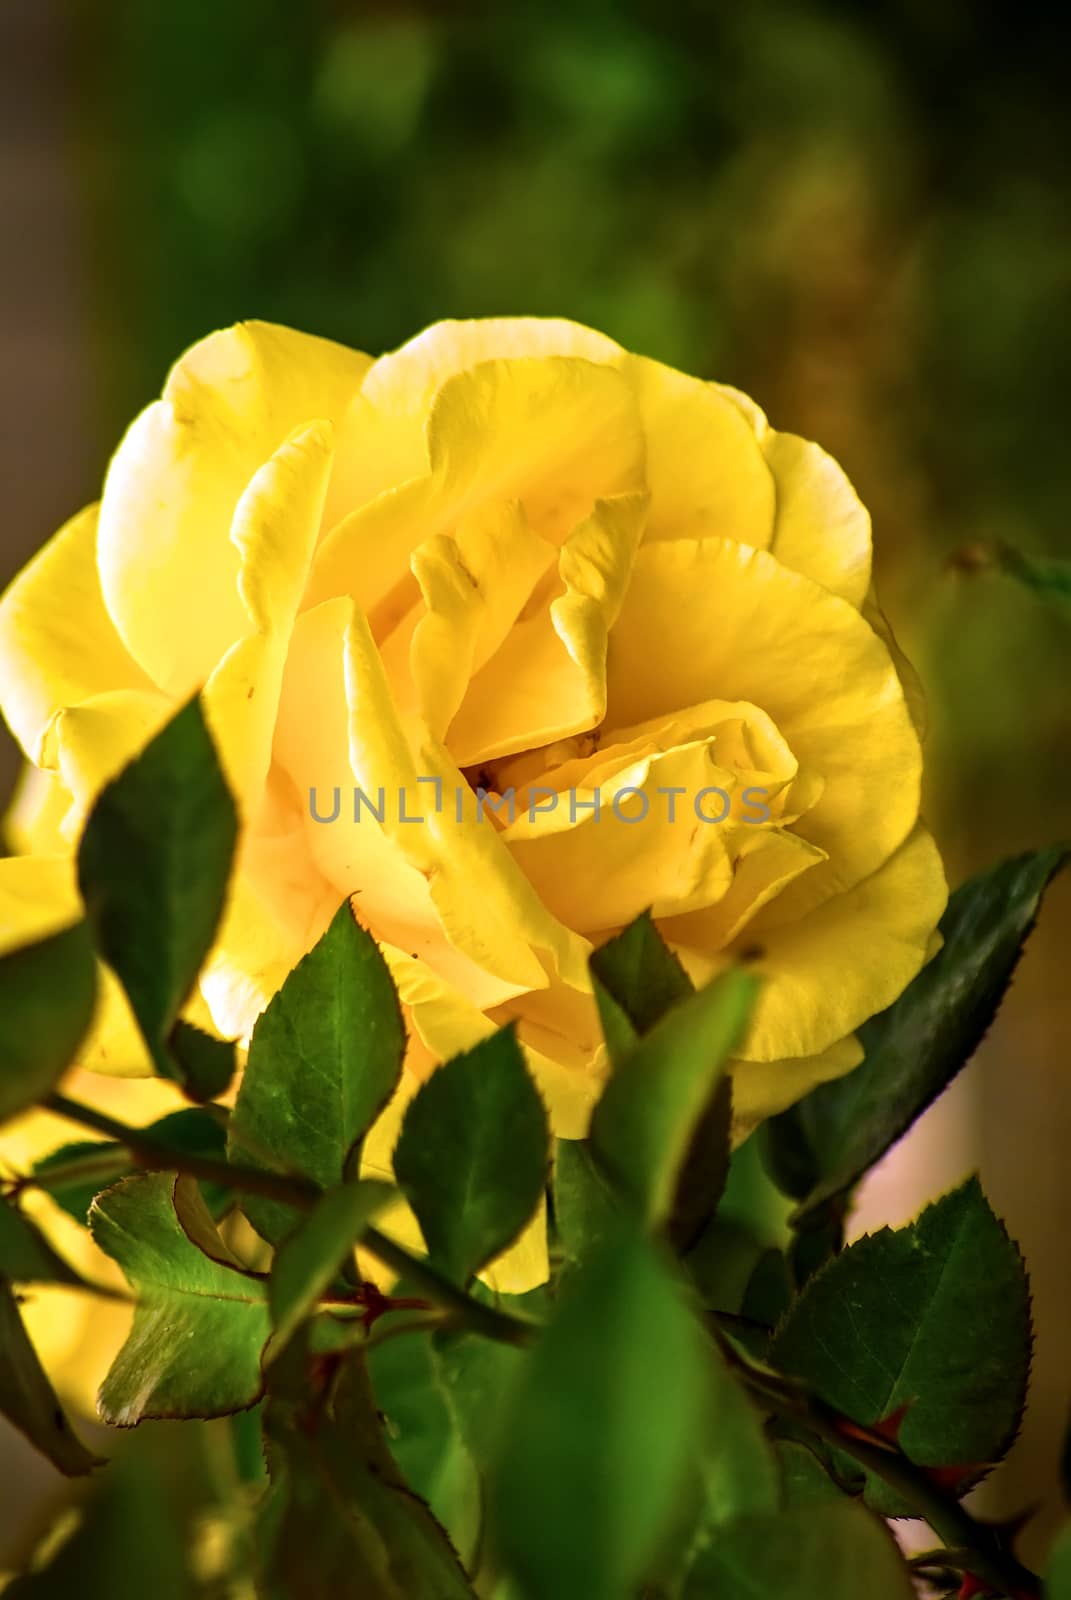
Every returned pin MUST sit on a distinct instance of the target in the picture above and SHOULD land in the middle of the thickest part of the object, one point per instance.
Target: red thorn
(972, 1588)
(889, 1427)
(377, 1304)
(957, 1476)
(886, 1430)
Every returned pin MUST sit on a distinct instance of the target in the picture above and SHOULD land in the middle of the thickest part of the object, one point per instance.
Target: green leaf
(199, 1226)
(478, 1378)
(821, 1147)
(644, 1124)
(739, 1471)
(423, 1432)
(27, 1398)
(637, 980)
(704, 1171)
(804, 1480)
(76, 1173)
(200, 1325)
(819, 1235)
(751, 1218)
(602, 1431)
(723, 1262)
(472, 1154)
(586, 1209)
(309, 1259)
(198, 1131)
(47, 994)
(934, 1316)
(88, 1166)
(768, 1293)
(153, 865)
(26, 1255)
(244, 1439)
(324, 1060)
(733, 1474)
(206, 1064)
(835, 1552)
(1058, 1572)
(340, 1519)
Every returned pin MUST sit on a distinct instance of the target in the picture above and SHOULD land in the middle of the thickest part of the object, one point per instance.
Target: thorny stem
(989, 1559)
(292, 1189)
(473, 1314)
(979, 1548)
(155, 1156)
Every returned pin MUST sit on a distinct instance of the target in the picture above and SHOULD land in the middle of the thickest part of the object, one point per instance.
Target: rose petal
(705, 470)
(275, 528)
(487, 909)
(771, 636)
(486, 905)
(353, 852)
(278, 905)
(58, 645)
(604, 869)
(39, 896)
(97, 739)
(34, 818)
(446, 1022)
(875, 938)
(762, 1089)
(548, 680)
(556, 435)
(821, 527)
(765, 861)
(473, 588)
(180, 471)
(384, 442)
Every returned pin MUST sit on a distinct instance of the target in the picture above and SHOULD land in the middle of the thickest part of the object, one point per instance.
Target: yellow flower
(510, 558)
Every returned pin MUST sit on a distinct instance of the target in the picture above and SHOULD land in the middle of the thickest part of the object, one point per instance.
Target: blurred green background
(855, 213)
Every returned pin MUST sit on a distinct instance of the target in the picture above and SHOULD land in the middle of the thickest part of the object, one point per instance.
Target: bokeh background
(855, 213)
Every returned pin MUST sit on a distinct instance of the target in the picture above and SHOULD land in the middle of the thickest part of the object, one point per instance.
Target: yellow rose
(508, 557)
